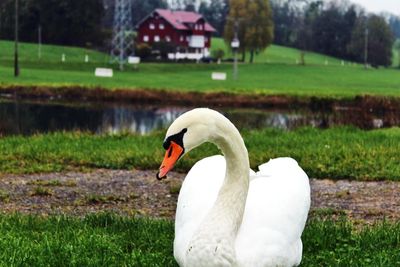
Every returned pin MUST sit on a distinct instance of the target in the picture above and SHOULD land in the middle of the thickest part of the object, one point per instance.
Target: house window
(152, 26)
(145, 38)
(161, 26)
(167, 38)
(188, 38)
(200, 27)
(195, 26)
(182, 38)
(156, 38)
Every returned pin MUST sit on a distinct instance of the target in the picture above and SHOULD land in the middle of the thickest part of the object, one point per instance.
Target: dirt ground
(140, 193)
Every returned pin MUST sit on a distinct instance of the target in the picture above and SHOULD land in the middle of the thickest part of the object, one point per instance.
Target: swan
(228, 215)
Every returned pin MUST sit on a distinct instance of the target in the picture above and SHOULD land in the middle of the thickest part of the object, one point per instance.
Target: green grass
(28, 53)
(108, 240)
(102, 240)
(334, 153)
(280, 54)
(280, 76)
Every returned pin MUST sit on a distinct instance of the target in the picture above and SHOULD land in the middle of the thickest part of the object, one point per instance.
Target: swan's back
(276, 211)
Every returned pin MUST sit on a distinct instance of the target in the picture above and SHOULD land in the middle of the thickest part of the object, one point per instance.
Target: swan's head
(188, 131)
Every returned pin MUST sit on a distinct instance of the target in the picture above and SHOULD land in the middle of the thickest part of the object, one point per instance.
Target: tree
(394, 22)
(331, 30)
(215, 13)
(140, 9)
(380, 41)
(304, 39)
(260, 27)
(285, 17)
(237, 15)
(66, 22)
(255, 31)
(190, 5)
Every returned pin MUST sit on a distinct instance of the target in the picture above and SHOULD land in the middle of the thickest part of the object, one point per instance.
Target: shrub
(218, 53)
(143, 50)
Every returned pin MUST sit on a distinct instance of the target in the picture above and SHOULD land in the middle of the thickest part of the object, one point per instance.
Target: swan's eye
(177, 138)
(166, 144)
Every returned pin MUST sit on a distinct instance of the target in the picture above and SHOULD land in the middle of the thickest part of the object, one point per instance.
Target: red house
(188, 31)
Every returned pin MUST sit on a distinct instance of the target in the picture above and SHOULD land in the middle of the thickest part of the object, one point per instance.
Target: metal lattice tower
(122, 44)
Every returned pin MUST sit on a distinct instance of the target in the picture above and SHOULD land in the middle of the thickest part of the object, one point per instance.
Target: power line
(16, 65)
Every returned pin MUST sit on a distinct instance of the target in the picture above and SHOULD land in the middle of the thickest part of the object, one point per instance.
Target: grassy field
(281, 54)
(276, 77)
(107, 240)
(28, 53)
(333, 153)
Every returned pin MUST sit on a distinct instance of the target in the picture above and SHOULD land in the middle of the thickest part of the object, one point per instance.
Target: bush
(143, 50)
(218, 53)
(163, 49)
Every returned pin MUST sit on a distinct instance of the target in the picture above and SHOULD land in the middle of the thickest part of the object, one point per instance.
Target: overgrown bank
(336, 153)
(209, 99)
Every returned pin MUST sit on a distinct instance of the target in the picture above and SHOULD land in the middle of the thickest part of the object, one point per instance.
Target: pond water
(29, 117)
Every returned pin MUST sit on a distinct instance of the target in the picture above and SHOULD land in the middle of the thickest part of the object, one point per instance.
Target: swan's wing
(276, 211)
(197, 195)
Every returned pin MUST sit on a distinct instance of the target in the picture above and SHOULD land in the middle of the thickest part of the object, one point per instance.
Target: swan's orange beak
(173, 153)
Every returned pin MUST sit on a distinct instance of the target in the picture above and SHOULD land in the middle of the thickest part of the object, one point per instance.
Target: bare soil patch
(140, 193)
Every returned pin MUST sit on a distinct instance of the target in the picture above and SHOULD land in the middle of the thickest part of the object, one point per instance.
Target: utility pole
(366, 48)
(235, 46)
(16, 66)
(122, 44)
(40, 41)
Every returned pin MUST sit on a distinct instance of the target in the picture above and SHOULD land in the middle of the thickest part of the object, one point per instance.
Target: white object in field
(133, 60)
(219, 76)
(326, 62)
(103, 72)
(342, 62)
(63, 58)
(86, 58)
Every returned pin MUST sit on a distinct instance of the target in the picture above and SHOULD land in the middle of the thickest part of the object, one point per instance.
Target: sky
(376, 6)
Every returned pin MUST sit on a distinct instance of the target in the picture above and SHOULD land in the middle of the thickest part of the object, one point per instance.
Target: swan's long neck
(216, 235)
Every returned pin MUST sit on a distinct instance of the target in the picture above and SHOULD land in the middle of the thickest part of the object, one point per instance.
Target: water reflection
(140, 120)
(24, 117)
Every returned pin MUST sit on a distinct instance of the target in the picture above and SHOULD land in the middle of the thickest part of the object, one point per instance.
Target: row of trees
(67, 22)
(335, 28)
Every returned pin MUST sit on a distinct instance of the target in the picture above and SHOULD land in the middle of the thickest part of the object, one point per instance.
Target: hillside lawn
(280, 76)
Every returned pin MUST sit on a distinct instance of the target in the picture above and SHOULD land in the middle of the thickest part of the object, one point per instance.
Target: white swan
(227, 215)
